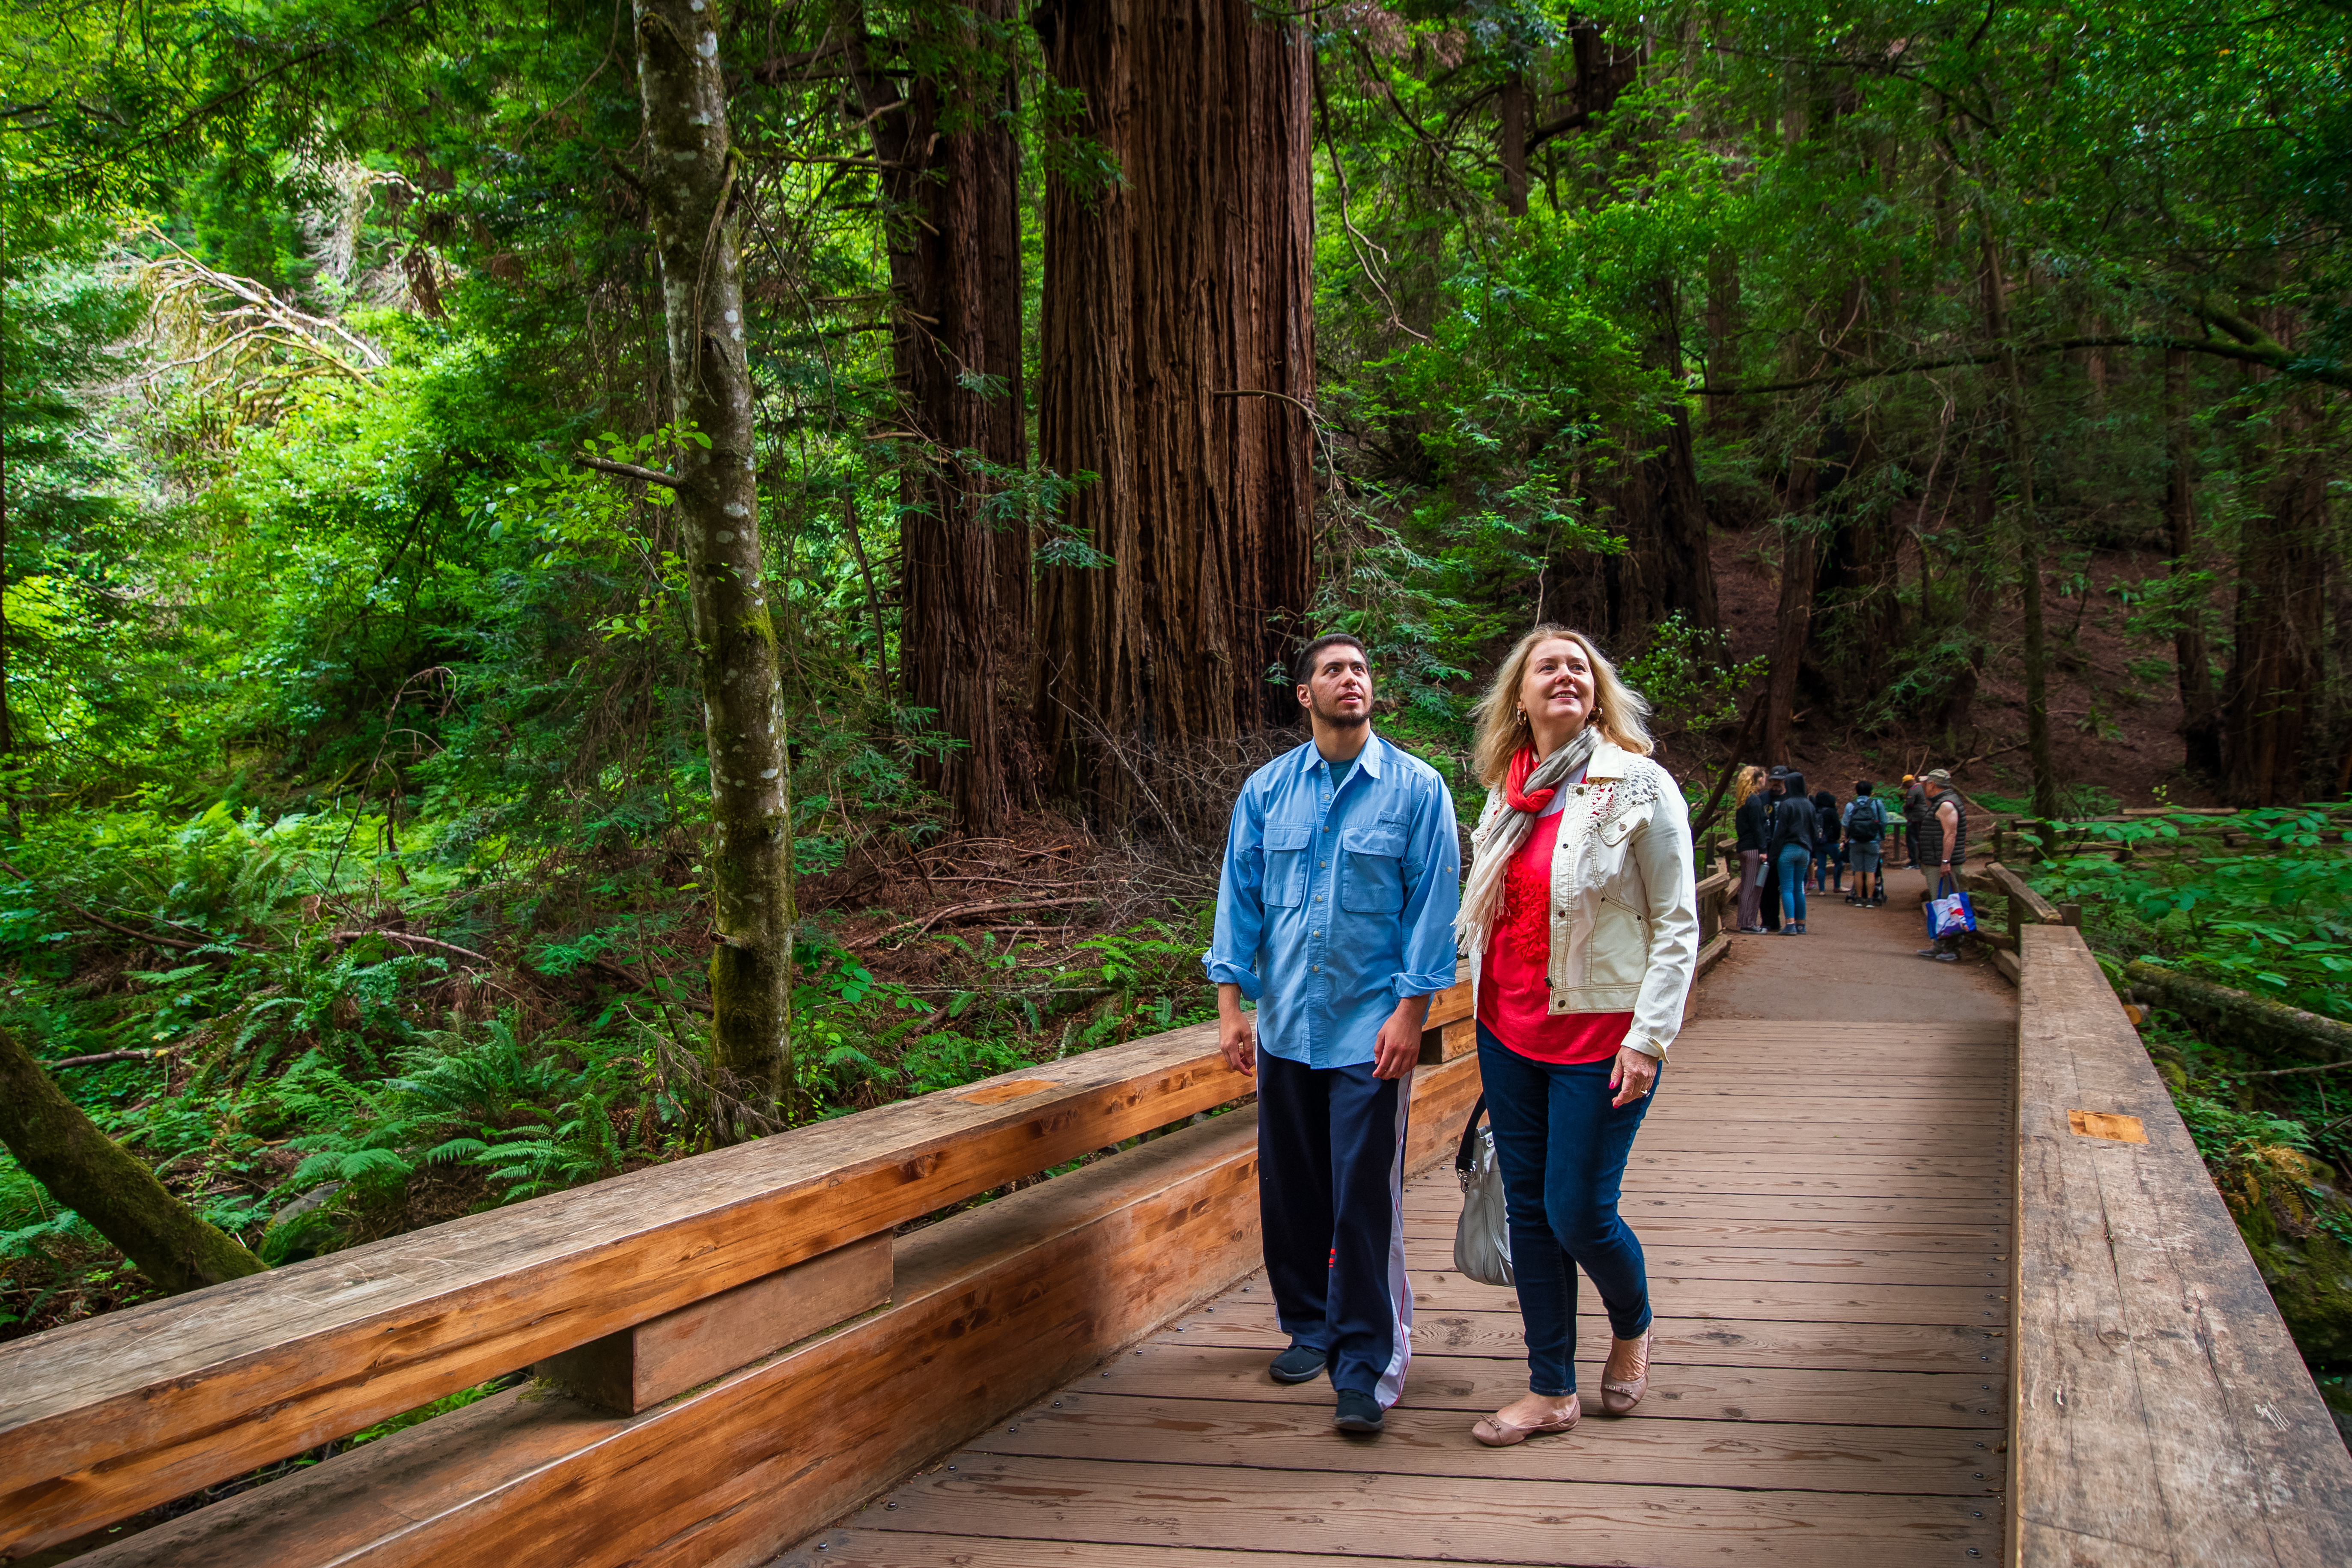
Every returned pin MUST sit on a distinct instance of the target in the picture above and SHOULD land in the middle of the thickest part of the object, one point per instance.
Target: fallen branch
(954, 911)
(627, 470)
(416, 940)
(94, 1058)
(79, 912)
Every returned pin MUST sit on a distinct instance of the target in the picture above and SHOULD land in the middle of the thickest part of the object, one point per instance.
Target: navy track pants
(1331, 1198)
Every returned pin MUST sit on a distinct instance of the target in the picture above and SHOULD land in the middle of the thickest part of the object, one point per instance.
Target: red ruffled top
(1513, 1002)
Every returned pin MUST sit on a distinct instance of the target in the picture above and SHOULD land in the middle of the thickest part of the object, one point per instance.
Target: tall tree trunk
(952, 187)
(107, 1185)
(1792, 625)
(1515, 144)
(2028, 529)
(2269, 703)
(684, 94)
(1177, 363)
(2200, 719)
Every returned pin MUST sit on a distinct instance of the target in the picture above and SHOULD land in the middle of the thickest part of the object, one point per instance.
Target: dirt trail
(1854, 966)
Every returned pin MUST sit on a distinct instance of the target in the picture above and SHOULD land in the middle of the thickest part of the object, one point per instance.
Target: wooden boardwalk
(1825, 1207)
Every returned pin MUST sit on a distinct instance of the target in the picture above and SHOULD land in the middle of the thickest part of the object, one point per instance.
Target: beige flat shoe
(1497, 1433)
(1620, 1395)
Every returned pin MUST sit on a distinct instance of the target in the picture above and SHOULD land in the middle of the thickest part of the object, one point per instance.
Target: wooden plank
(1699, 1296)
(1411, 1517)
(1638, 1206)
(1704, 1260)
(1710, 956)
(1441, 1381)
(1791, 1241)
(112, 1414)
(1418, 1441)
(638, 1368)
(907, 1549)
(2161, 1408)
(1722, 1341)
(2026, 905)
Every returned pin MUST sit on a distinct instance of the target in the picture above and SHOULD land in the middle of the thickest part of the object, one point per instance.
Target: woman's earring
(1522, 718)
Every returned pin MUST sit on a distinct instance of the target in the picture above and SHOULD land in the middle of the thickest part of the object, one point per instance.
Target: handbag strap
(1466, 1156)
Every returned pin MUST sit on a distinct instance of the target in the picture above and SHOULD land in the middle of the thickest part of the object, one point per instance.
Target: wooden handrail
(2026, 905)
(2159, 1410)
(105, 1417)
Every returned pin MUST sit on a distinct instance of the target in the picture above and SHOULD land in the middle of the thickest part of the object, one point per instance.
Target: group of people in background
(1789, 842)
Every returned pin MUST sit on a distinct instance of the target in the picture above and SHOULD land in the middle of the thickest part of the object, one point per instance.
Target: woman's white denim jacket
(1624, 897)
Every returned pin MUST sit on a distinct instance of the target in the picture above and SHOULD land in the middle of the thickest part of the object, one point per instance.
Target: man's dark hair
(1863, 787)
(1304, 665)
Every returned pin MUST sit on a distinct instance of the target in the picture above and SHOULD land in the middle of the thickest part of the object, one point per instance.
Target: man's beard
(1341, 721)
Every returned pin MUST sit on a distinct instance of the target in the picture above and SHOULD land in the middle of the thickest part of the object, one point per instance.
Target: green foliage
(2276, 919)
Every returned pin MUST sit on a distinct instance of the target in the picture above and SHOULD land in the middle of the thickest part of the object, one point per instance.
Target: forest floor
(2114, 705)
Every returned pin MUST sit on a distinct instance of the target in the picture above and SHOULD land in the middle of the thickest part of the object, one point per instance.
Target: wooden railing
(2159, 1412)
(676, 1419)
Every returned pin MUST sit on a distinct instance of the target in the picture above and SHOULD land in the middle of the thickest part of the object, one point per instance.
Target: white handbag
(1481, 1240)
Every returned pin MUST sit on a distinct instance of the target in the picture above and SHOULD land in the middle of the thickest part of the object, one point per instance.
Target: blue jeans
(1829, 865)
(1561, 1150)
(1794, 860)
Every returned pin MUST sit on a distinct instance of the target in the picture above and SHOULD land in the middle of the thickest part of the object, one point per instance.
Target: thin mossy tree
(107, 1185)
(690, 192)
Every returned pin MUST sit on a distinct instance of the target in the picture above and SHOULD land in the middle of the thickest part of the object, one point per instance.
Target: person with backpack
(1828, 851)
(1792, 849)
(1865, 833)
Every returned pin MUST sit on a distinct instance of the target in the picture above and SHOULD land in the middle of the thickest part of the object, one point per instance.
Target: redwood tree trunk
(684, 94)
(1515, 144)
(1177, 360)
(1800, 555)
(2200, 719)
(953, 189)
(2029, 536)
(2270, 701)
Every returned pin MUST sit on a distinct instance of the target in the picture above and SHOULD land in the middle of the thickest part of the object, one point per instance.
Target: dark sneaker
(1357, 1412)
(1299, 1363)
(1939, 955)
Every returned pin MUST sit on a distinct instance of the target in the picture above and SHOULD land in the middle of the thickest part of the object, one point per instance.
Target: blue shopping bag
(1950, 913)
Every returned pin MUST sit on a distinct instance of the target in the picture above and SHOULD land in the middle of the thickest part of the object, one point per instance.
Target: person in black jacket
(1752, 820)
(1828, 851)
(1790, 848)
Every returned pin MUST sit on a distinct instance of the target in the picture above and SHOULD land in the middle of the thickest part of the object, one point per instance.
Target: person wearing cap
(1914, 823)
(1946, 837)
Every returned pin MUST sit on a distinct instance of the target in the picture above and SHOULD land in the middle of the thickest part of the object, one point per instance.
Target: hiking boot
(1299, 1363)
(1357, 1412)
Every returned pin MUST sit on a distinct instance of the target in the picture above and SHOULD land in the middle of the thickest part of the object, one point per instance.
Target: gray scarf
(1482, 900)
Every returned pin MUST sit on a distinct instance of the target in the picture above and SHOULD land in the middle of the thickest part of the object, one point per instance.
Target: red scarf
(1515, 793)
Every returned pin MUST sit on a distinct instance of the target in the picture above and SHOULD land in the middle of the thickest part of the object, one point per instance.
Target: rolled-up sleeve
(1432, 872)
(1669, 877)
(1231, 958)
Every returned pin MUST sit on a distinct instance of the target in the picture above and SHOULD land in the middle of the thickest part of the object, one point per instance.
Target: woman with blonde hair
(1751, 819)
(1580, 921)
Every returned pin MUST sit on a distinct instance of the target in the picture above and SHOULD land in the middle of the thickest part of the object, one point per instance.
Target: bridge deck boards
(1831, 1273)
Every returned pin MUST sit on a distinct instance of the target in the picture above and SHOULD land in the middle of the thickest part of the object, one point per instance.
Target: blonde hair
(1622, 710)
(1751, 779)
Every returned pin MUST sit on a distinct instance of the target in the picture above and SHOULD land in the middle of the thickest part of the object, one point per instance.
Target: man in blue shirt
(1335, 914)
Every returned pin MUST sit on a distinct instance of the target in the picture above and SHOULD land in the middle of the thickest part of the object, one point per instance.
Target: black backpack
(1864, 820)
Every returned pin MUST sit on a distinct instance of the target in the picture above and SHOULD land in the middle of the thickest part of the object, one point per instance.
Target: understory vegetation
(1849, 372)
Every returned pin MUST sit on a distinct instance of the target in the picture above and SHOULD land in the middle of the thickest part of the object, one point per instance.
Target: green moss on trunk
(107, 1185)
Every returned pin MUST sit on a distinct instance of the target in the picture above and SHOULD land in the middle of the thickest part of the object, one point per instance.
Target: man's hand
(1236, 1030)
(1399, 1046)
(1631, 1075)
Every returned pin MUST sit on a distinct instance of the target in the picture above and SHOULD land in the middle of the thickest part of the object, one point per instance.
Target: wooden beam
(992, 1309)
(2026, 905)
(117, 1414)
(2161, 1413)
(639, 1367)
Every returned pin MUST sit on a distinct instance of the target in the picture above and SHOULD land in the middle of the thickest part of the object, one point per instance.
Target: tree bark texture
(1178, 368)
(689, 192)
(2200, 718)
(107, 1185)
(2029, 535)
(951, 190)
(1514, 147)
(2270, 705)
(1792, 628)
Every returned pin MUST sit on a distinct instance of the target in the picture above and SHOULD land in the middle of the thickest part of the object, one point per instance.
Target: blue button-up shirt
(1337, 903)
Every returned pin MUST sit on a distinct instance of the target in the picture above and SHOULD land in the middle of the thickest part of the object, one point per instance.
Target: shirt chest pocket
(1286, 864)
(1374, 861)
(1615, 832)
